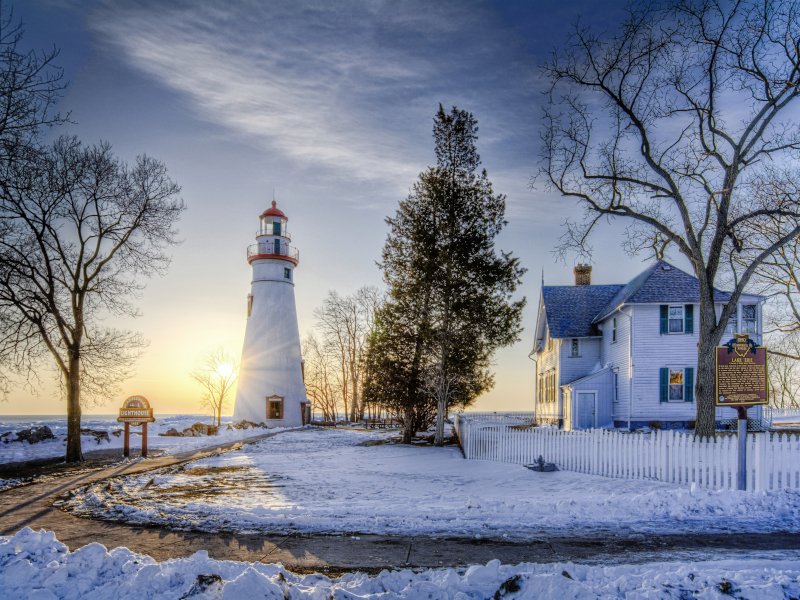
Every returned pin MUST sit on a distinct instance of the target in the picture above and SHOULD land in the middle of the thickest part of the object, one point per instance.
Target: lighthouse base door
(305, 412)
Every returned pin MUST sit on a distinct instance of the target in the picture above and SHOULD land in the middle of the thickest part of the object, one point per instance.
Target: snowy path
(324, 481)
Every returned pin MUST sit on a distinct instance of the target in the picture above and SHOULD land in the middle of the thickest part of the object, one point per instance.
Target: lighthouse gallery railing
(272, 249)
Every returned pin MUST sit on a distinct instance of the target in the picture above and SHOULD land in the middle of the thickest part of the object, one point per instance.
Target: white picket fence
(770, 412)
(773, 460)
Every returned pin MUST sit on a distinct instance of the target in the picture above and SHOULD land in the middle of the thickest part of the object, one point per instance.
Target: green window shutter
(688, 318)
(688, 384)
(664, 319)
(664, 381)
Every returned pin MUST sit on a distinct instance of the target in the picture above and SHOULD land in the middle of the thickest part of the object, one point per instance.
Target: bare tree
(217, 377)
(344, 323)
(320, 378)
(683, 125)
(784, 377)
(30, 85)
(79, 232)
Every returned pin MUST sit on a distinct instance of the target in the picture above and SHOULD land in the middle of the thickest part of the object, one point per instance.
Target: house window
(732, 325)
(676, 384)
(614, 329)
(575, 348)
(287, 273)
(749, 319)
(676, 319)
(274, 407)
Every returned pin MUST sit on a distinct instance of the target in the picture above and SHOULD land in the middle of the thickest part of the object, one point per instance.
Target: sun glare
(224, 370)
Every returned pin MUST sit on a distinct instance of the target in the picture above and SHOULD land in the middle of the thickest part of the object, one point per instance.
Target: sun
(224, 370)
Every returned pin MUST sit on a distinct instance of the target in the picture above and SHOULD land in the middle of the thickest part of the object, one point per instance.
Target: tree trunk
(74, 453)
(441, 411)
(409, 425)
(706, 385)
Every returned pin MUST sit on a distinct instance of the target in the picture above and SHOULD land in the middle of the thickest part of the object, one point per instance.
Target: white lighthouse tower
(271, 388)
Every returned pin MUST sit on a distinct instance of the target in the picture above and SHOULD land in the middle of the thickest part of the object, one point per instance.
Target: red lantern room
(273, 222)
(273, 238)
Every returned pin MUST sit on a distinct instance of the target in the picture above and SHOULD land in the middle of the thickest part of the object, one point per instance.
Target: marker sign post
(135, 411)
(741, 383)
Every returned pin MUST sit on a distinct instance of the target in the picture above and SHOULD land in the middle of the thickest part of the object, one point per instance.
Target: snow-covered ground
(22, 451)
(36, 565)
(325, 481)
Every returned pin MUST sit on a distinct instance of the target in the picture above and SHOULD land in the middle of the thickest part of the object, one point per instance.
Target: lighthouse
(271, 388)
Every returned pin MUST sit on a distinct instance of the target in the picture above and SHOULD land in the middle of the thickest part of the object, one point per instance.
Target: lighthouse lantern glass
(273, 226)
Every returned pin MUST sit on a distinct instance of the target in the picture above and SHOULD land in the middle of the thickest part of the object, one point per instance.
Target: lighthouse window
(276, 247)
(287, 273)
(275, 408)
(276, 228)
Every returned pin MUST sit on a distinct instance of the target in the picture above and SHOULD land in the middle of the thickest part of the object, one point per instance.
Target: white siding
(573, 368)
(615, 354)
(651, 351)
(547, 360)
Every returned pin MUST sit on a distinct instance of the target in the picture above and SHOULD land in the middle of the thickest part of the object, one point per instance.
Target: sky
(328, 105)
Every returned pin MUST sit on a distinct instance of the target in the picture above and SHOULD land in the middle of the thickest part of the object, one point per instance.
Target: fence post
(761, 477)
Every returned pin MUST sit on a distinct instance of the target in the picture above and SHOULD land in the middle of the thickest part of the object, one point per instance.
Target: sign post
(741, 383)
(135, 411)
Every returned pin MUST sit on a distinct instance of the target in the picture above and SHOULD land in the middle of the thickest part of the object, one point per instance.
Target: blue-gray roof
(571, 309)
(660, 282)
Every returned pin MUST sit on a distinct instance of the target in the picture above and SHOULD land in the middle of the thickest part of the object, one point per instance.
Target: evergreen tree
(449, 305)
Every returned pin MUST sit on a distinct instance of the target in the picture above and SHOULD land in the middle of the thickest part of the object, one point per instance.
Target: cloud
(349, 87)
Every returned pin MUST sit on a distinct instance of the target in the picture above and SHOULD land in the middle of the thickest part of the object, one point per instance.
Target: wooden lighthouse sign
(135, 411)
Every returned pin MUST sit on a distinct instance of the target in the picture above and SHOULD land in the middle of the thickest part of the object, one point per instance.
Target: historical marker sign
(741, 373)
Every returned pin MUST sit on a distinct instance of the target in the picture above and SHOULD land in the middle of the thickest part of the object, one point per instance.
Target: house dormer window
(575, 348)
(614, 329)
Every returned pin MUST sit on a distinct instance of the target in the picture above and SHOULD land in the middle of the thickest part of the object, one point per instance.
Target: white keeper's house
(625, 355)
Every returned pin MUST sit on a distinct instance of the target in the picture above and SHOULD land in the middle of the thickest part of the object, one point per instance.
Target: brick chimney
(583, 274)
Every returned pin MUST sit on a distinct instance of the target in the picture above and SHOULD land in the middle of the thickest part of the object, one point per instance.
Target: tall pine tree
(450, 303)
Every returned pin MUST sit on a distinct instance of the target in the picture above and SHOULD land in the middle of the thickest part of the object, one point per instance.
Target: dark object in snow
(567, 575)
(541, 466)
(196, 430)
(5, 436)
(245, 424)
(34, 435)
(204, 584)
(726, 587)
(509, 586)
(201, 429)
(97, 434)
